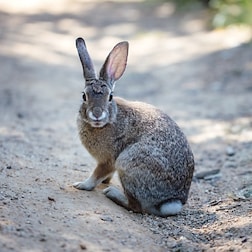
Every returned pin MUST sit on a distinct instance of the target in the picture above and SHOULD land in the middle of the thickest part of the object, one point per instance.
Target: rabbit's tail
(167, 208)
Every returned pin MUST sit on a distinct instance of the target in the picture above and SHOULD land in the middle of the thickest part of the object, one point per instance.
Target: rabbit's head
(98, 106)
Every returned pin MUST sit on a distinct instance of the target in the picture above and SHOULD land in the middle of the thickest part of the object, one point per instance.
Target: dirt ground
(201, 78)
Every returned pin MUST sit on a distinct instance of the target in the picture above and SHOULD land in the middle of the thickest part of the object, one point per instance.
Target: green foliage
(227, 12)
(223, 12)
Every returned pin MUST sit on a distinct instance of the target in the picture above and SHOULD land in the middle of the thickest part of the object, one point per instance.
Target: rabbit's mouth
(96, 124)
(97, 120)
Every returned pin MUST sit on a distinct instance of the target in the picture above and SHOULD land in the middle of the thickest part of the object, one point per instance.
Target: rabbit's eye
(84, 97)
(110, 97)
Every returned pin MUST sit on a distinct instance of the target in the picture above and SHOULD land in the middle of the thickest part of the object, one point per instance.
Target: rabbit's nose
(97, 114)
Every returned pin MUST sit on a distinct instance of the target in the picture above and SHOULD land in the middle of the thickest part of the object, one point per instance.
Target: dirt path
(200, 78)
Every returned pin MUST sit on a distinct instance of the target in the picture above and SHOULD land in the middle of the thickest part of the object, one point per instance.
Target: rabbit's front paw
(87, 185)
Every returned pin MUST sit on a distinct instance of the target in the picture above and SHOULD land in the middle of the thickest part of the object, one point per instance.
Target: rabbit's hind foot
(116, 195)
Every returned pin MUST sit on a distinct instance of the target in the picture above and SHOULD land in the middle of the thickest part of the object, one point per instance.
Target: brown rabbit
(144, 145)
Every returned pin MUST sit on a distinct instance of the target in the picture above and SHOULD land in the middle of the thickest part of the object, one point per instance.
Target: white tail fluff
(171, 208)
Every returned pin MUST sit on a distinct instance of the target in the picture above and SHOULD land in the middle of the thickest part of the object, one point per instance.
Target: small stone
(51, 199)
(106, 218)
(244, 239)
(19, 229)
(42, 238)
(230, 151)
(215, 202)
(213, 176)
(236, 129)
(20, 115)
(83, 246)
(8, 167)
(230, 164)
(205, 174)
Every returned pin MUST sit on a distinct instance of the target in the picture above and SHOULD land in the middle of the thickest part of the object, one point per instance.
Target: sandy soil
(201, 78)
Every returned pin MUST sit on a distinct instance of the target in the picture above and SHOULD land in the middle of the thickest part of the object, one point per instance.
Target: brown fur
(147, 148)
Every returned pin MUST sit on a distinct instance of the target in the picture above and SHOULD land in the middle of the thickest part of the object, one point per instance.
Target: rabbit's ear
(115, 63)
(87, 65)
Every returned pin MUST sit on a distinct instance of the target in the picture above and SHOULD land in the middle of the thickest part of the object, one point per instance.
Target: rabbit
(145, 146)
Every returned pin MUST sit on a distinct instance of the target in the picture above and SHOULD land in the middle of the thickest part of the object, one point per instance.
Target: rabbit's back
(150, 127)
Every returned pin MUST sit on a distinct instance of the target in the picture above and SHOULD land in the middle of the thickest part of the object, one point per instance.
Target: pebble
(206, 174)
(230, 164)
(230, 151)
(213, 176)
(42, 239)
(51, 199)
(106, 218)
(236, 129)
(20, 115)
(83, 246)
(244, 239)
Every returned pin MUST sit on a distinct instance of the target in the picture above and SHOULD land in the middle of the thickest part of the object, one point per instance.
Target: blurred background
(182, 54)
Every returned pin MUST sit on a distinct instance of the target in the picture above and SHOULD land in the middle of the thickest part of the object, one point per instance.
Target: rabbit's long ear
(115, 63)
(87, 65)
